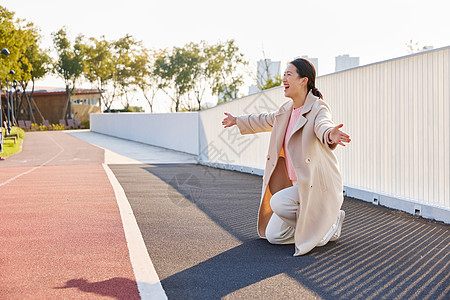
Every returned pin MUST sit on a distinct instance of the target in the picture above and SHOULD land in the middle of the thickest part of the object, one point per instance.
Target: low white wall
(174, 131)
(227, 147)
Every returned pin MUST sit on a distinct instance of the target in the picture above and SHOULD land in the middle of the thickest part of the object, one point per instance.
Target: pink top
(296, 112)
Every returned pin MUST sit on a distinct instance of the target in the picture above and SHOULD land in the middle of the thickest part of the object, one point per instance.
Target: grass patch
(9, 148)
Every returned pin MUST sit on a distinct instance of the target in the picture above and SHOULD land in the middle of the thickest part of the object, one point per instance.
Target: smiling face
(294, 85)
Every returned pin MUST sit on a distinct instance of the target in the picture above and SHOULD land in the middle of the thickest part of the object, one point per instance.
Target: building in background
(314, 61)
(344, 62)
(265, 69)
(49, 104)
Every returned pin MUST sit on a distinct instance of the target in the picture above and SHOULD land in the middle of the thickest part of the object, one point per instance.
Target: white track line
(35, 168)
(147, 280)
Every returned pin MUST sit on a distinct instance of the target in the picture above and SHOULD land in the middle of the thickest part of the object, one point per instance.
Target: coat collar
(288, 106)
(284, 113)
(309, 102)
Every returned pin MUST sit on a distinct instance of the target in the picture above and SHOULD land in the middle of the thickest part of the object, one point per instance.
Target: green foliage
(270, 83)
(178, 70)
(195, 66)
(224, 61)
(27, 59)
(9, 147)
(124, 51)
(22, 39)
(7, 40)
(86, 124)
(98, 65)
(144, 76)
(69, 63)
(120, 67)
(19, 131)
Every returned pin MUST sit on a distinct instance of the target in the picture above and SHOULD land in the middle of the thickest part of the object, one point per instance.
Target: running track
(61, 233)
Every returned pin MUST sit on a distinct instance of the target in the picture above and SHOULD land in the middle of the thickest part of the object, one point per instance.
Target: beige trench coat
(319, 180)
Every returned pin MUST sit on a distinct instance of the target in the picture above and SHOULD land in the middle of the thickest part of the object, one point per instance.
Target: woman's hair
(306, 69)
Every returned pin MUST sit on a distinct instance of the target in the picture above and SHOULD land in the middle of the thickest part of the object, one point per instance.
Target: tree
(27, 59)
(270, 83)
(123, 51)
(69, 64)
(144, 77)
(264, 80)
(98, 66)
(34, 64)
(201, 74)
(224, 59)
(7, 40)
(413, 47)
(177, 70)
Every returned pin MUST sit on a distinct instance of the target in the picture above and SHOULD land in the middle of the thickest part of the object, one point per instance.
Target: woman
(302, 186)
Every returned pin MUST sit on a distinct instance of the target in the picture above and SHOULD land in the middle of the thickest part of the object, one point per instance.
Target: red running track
(61, 235)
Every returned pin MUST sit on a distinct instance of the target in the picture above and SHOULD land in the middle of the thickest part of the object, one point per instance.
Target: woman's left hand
(336, 136)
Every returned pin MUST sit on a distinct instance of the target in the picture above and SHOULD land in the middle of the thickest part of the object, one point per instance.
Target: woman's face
(293, 83)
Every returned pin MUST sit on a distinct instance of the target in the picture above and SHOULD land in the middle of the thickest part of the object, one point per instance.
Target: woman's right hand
(229, 120)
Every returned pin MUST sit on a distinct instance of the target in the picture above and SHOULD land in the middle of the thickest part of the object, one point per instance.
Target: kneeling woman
(302, 186)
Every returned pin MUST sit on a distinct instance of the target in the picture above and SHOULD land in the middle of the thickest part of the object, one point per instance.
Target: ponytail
(306, 69)
(316, 93)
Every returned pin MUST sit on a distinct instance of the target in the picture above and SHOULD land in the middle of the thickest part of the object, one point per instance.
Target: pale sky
(372, 30)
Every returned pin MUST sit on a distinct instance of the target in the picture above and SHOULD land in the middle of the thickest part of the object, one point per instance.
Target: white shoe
(335, 231)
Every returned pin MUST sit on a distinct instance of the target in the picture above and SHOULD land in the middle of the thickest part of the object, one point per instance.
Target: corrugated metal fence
(398, 115)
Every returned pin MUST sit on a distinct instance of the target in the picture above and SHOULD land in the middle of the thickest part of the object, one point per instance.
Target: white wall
(219, 146)
(174, 131)
(397, 113)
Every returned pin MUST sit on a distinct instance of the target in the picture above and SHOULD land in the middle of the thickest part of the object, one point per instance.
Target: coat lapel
(282, 118)
(310, 99)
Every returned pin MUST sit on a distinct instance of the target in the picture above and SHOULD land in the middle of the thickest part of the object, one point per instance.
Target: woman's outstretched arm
(252, 123)
(327, 132)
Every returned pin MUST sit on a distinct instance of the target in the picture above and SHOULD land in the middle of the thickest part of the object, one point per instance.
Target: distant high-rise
(344, 62)
(265, 69)
(314, 61)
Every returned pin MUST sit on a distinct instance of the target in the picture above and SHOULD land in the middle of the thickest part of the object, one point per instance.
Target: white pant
(285, 205)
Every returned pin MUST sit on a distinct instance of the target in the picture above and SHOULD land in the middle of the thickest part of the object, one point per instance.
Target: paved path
(61, 234)
(133, 152)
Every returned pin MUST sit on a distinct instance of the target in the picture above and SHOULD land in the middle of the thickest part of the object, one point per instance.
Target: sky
(372, 30)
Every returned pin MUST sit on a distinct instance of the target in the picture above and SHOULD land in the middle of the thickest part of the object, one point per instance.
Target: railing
(397, 113)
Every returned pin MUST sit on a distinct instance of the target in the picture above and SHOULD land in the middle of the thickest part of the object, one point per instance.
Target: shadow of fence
(382, 254)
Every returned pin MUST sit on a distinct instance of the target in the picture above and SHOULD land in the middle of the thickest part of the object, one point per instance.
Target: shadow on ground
(117, 288)
(382, 254)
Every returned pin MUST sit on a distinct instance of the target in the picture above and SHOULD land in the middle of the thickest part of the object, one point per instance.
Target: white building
(314, 61)
(344, 62)
(265, 69)
(253, 89)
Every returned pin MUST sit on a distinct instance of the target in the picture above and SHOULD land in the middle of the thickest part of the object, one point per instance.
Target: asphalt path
(199, 226)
